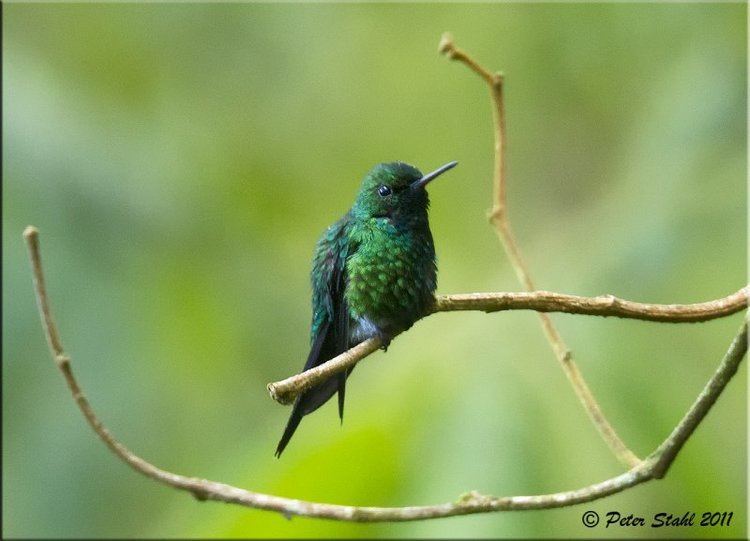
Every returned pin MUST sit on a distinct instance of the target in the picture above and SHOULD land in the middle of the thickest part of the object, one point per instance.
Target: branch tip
(30, 233)
(279, 396)
(446, 45)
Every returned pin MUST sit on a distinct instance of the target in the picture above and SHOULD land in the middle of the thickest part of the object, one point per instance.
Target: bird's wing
(330, 323)
(330, 312)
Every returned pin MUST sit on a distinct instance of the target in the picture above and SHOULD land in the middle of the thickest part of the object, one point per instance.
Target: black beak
(422, 182)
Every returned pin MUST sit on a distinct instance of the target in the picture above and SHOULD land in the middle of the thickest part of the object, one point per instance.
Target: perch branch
(285, 391)
(654, 467)
(499, 218)
(603, 305)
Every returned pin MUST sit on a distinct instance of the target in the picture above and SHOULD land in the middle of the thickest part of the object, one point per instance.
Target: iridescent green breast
(391, 278)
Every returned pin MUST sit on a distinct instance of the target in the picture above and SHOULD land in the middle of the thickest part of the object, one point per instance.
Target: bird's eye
(384, 191)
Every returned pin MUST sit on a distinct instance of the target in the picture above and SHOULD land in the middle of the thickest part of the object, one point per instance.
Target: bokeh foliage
(180, 162)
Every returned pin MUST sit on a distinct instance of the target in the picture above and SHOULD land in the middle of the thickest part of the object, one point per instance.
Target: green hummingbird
(373, 275)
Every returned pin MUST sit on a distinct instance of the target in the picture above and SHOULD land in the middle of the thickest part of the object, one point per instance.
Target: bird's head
(395, 190)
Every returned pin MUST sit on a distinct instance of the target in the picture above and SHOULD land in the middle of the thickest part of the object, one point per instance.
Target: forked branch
(655, 466)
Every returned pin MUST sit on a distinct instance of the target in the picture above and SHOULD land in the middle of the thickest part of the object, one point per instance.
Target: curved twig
(499, 218)
(603, 305)
(653, 467)
(286, 390)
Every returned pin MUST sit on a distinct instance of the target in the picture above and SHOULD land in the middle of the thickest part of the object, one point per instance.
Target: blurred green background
(181, 161)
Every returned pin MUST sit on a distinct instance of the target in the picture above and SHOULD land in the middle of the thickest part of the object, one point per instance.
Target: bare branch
(31, 234)
(285, 391)
(603, 305)
(472, 502)
(499, 218)
(668, 450)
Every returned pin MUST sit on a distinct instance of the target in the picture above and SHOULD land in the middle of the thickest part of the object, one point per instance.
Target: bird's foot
(385, 340)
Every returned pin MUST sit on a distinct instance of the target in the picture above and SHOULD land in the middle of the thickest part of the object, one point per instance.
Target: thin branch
(668, 450)
(31, 234)
(285, 391)
(499, 218)
(603, 305)
(472, 502)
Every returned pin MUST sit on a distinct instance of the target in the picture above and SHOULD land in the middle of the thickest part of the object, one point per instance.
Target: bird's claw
(385, 340)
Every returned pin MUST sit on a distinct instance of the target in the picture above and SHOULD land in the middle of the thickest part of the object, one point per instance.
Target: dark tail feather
(323, 349)
(308, 402)
(301, 404)
(342, 393)
(291, 427)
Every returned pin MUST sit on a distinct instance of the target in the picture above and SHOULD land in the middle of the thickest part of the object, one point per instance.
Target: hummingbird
(373, 275)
